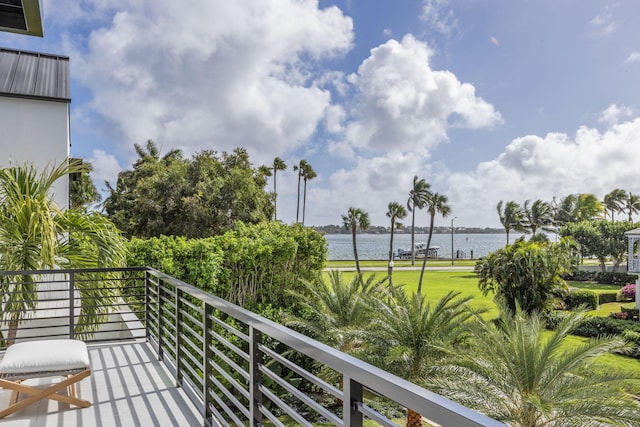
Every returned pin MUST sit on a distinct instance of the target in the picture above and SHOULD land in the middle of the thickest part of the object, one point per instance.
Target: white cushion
(42, 356)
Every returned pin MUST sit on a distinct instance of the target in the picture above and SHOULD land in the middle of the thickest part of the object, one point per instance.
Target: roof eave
(33, 19)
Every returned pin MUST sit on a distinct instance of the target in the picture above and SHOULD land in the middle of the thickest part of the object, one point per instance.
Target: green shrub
(597, 326)
(630, 312)
(195, 261)
(580, 297)
(552, 318)
(607, 277)
(605, 297)
(262, 261)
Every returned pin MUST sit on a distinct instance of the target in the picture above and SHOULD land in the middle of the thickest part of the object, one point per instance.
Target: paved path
(415, 268)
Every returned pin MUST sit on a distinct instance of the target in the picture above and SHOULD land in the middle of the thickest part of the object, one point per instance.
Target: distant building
(34, 112)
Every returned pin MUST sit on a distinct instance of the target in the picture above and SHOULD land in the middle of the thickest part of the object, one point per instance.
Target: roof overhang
(21, 16)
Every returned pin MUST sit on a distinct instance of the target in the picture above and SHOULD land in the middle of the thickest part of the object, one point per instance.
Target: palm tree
(588, 207)
(278, 165)
(614, 202)
(539, 215)
(354, 219)
(632, 204)
(436, 203)
(511, 217)
(300, 168)
(307, 174)
(412, 335)
(395, 211)
(35, 234)
(525, 376)
(336, 310)
(417, 199)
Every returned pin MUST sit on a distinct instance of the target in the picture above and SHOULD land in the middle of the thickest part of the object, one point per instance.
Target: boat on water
(420, 251)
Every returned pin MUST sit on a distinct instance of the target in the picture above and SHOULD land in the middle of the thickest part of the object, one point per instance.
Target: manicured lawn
(436, 284)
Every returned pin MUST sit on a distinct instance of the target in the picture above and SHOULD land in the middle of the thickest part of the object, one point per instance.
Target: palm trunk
(275, 197)
(13, 329)
(424, 261)
(414, 419)
(413, 230)
(391, 259)
(298, 203)
(304, 200)
(355, 249)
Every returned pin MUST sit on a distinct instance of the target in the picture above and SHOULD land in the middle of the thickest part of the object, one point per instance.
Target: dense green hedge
(607, 278)
(252, 265)
(579, 297)
(605, 297)
(597, 326)
(196, 261)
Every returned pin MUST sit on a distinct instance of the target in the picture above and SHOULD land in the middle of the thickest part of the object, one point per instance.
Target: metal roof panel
(34, 75)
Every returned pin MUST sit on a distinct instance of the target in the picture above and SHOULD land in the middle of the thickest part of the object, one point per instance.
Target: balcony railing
(237, 367)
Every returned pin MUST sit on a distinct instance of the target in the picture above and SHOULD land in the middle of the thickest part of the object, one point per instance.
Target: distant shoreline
(336, 229)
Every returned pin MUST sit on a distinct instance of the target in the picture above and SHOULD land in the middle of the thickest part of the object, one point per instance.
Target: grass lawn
(436, 284)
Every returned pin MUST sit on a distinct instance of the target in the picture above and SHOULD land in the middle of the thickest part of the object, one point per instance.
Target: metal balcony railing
(237, 367)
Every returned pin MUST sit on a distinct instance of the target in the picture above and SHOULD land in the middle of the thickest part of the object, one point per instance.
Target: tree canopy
(197, 197)
(525, 274)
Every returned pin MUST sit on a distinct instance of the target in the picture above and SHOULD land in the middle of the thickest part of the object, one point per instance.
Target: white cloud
(633, 57)
(369, 184)
(214, 74)
(438, 16)
(603, 23)
(534, 167)
(403, 103)
(613, 114)
(105, 167)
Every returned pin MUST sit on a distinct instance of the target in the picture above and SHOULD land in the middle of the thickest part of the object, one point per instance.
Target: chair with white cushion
(37, 359)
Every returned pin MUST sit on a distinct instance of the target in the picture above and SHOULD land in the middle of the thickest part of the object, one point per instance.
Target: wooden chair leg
(48, 393)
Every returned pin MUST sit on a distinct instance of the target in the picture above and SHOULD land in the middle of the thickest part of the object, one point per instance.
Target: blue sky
(486, 100)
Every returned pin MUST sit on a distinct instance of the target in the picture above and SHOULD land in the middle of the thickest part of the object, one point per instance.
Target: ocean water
(376, 246)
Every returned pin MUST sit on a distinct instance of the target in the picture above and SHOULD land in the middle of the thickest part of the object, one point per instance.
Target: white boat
(420, 251)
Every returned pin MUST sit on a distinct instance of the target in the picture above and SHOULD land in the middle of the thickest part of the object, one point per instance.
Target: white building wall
(35, 131)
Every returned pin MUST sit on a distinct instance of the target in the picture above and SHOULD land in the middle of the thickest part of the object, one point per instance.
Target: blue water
(376, 246)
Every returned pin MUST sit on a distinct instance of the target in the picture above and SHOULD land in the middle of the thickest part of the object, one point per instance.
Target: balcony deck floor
(128, 386)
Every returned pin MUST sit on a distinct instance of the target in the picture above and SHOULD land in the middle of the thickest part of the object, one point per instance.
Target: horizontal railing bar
(193, 346)
(241, 408)
(235, 384)
(198, 322)
(263, 409)
(334, 391)
(374, 415)
(231, 329)
(229, 345)
(286, 408)
(220, 420)
(239, 369)
(300, 395)
(404, 392)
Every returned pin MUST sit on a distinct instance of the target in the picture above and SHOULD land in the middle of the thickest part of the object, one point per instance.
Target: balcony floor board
(127, 386)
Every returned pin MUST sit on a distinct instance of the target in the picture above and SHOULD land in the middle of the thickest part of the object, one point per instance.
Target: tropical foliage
(355, 219)
(335, 311)
(278, 165)
(512, 217)
(36, 234)
(417, 200)
(198, 197)
(599, 238)
(395, 212)
(526, 274)
(538, 216)
(411, 335)
(436, 203)
(525, 376)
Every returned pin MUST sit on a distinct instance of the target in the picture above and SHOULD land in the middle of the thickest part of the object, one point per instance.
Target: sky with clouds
(487, 100)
